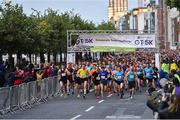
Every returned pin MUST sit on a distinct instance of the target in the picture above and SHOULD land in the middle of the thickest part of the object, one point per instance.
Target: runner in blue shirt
(131, 78)
(149, 75)
(119, 77)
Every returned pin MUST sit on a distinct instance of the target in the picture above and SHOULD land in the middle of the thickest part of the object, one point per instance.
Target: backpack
(154, 99)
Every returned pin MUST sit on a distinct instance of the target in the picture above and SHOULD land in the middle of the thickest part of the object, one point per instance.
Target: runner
(62, 73)
(149, 75)
(119, 78)
(89, 68)
(114, 70)
(155, 74)
(77, 80)
(83, 74)
(103, 81)
(96, 81)
(70, 79)
(131, 79)
(140, 76)
(109, 80)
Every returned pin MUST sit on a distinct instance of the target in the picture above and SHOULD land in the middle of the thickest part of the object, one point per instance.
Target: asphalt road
(111, 107)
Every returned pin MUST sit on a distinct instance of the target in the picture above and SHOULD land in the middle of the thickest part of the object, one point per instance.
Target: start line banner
(113, 40)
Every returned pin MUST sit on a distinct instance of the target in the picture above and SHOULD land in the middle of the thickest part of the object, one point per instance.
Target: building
(141, 19)
(168, 26)
(117, 9)
(142, 3)
(162, 24)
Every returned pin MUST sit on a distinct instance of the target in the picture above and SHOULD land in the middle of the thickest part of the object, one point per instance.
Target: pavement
(111, 107)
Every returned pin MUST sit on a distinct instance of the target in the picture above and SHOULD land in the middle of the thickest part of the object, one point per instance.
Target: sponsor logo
(144, 42)
(84, 41)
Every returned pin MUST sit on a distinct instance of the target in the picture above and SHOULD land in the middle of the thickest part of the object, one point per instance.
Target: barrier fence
(25, 95)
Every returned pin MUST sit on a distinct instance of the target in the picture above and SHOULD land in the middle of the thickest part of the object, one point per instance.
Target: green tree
(173, 3)
(13, 27)
(106, 26)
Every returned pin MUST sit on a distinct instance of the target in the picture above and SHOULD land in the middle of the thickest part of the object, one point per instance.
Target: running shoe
(131, 97)
(84, 96)
(122, 94)
(65, 95)
(78, 96)
(61, 94)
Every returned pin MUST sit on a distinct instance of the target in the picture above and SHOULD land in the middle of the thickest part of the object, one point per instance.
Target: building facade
(117, 9)
(140, 19)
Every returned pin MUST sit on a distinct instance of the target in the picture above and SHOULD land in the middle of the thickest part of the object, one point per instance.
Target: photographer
(170, 110)
(166, 101)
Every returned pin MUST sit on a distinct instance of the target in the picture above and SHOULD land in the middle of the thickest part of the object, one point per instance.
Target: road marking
(75, 117)
(101, 101)
(123, 117)
(110, 95)
(89, 109)
(91, 90)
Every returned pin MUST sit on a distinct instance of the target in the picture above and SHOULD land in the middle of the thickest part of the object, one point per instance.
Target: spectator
(172, 110)
(19, 74)
(11, 78)
(2, 74)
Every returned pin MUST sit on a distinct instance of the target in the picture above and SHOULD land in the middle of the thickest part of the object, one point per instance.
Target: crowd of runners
(112, 74)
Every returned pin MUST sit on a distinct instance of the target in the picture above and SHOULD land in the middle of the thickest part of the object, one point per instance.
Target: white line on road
(75, 117)
(101, 101)
(110, 95)
(91, 90)
(89, 109)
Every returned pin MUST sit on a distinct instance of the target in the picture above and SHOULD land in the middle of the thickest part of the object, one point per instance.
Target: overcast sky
(93, 10)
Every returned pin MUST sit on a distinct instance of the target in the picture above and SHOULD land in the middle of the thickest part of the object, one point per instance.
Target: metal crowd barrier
(26, 95)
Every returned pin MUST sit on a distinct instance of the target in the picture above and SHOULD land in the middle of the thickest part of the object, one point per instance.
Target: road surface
(111, 107)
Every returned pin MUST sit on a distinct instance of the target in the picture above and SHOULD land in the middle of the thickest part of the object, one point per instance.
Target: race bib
(138, 73)
(103, 77)
(131, 76)
(97, 78)
(83, 76)
(63, 74)
(148, 74)
(119, 77)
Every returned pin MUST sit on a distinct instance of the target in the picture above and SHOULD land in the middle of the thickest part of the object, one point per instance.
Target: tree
(13, 27)
(173, 3)
(106, 26)
(40, 33)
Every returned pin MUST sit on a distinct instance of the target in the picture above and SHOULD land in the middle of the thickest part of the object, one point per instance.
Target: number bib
(63, 74)
(131, 76)
(119, 77)
(103, 77)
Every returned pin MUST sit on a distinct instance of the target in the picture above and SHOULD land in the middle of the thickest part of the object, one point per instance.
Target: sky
(92, 10)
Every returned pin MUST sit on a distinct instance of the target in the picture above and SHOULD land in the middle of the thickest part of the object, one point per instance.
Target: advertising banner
(113, 40)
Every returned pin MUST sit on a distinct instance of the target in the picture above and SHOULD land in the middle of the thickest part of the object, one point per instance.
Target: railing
(25, 95)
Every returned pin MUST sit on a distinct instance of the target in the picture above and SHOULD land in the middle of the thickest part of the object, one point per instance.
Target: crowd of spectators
(25, 72)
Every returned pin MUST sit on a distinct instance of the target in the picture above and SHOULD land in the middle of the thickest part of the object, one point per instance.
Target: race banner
(113, 40)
